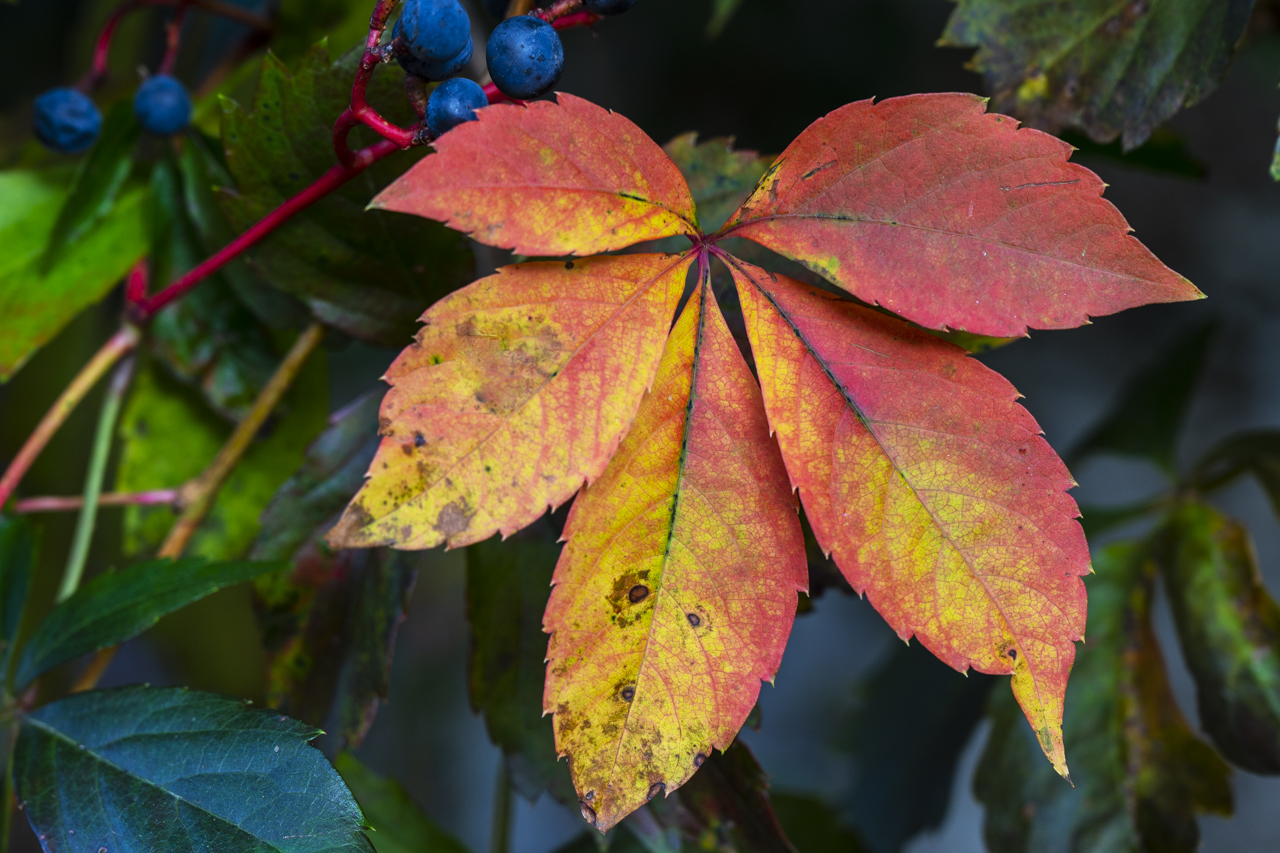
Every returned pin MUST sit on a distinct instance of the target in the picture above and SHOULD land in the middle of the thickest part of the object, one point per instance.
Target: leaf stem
(120, 343)
(156, 497)
(500, 839)
(93, 479)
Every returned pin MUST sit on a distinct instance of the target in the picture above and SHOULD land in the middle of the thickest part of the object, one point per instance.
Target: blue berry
(609, 7)
(67, 121)
(162, 105)
(452, 103)
(437, 70)
(433, 30)
(525, 57)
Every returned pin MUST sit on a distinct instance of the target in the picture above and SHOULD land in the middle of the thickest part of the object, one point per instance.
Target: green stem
(93, 480)
(6, 789)
(500, 840)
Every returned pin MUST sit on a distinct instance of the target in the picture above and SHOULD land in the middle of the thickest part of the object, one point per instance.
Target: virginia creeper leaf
(566, 178)
(169, 436)
(676, 590)
(1141, 774)
(119, 605)
(153, 770)
(35, 303)
(1147, 419)
(368, 274)
(508, 584)
(952, 217)
(931, 487)
(518, 390)
(729, 800)
(1229, 628)
(397, 824)
(913, 719)
(1256, 453)
(1113, 69)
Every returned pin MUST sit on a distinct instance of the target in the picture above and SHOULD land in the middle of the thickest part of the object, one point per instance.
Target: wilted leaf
(1141, 775)
(119, 605)
(1147, 419)
(932, 488)
(36, 303)
(676, 591)
(914, 718)
(397, 824)
(508, 583)
(518, 390)
(366, 273)
(169, 436)
(566, 178)
(1230, 632)
(952, 217)
(159, 769)
(1114, 69)
(1256, 453)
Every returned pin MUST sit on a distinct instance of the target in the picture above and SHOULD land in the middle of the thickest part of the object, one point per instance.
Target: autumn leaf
(543, 363)
(952, 217)
(932, 488)
(676, 590)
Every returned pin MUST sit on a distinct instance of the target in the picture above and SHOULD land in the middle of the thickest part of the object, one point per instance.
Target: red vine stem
(173, 40)
(157, 497)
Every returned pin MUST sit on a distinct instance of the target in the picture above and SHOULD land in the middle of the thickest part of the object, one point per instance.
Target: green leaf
(508, 584)
(302, 22)
(1113, 69)
(813, 826)
(914, 717)
(1147, 420)
(169, 436)
(720, 178)
(722, 12)
(98, 181)
(35, 303)
(119, 605)
(1140, 773)
(1256, 453)
(1229, 628)
(398, 824)
(18, 546)
(153, 770)
(370, 274)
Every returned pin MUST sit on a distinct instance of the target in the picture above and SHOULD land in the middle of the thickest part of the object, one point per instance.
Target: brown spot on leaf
(638, 593)
(694, 619)
(454, 518)
(654, 790)
(588, 813)
(699, 760)
(628, 693)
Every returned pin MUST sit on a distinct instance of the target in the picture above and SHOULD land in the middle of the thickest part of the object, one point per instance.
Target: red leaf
(929, 484)
(548, 179)
(952, 217)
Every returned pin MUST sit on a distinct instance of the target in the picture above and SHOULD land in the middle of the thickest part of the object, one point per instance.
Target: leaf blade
(652, 663)
(904, 446)
(398, 824)
(952, 218)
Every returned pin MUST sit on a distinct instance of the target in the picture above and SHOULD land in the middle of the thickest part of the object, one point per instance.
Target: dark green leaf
(398, 825)
(813, 826)
(729, 800)
(98, 181)
(152, 770)
(330, 625)
(18, 544)
(369, 273)
(302, 22)
(169, 436)
(508, 584)
(1147, 419)
(1140, 774)
(1164, 152)
(914, 718)
(1113, 69)
(722, 12)
(36, 303)
(1229, 628)
(119, 605)
(1256, 453)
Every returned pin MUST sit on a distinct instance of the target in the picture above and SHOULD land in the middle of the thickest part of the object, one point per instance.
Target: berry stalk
(156, 497)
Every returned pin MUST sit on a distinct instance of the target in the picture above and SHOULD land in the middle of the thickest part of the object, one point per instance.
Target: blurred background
(778, 65)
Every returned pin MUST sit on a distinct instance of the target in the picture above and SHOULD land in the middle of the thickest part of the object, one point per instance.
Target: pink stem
(173, 40)
(135, 286)
(159, 497)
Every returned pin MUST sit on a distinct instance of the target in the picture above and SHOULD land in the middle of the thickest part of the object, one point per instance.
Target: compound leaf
(1229, 628)
(676, 590)
(1140, 773)
(931, 487)
(1113, 69)
(366, 273)
(398, 825)
(566, 178)
(518, 390)
(119, 605)
(952, 217)
(153, 770)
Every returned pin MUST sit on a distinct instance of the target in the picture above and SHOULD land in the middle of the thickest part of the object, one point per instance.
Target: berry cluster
(524, 55)
(68, 121)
